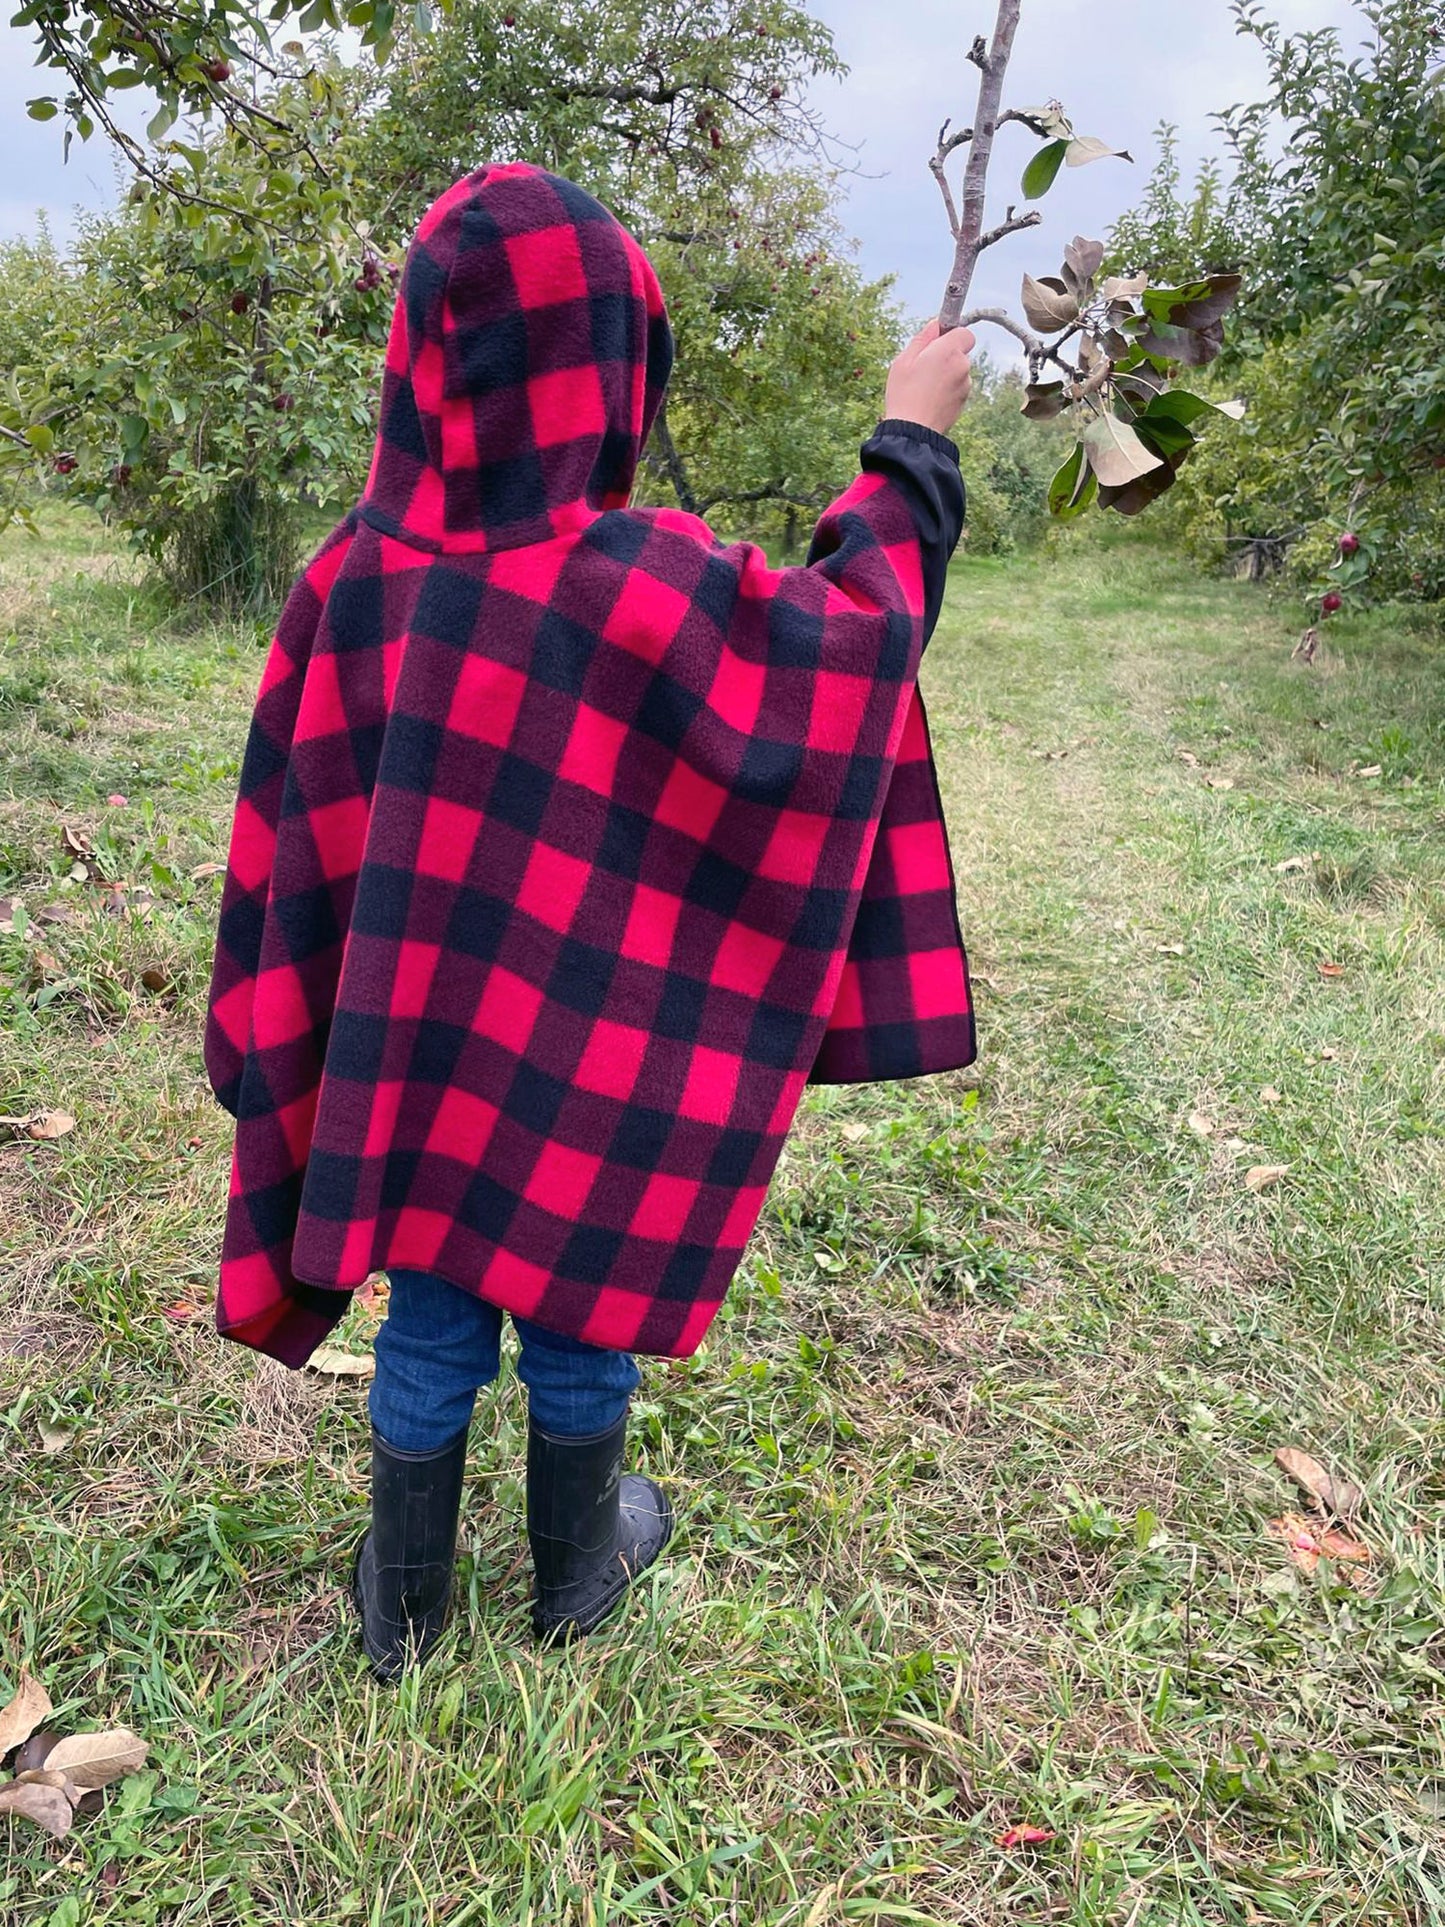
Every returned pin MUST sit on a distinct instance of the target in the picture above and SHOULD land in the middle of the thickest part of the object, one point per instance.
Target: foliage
(216, 369)
(1336, 209)
(1169, 236)
(1134, 434)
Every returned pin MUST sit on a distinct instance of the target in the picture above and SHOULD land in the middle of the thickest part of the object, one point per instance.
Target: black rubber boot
(403, 1579)
(593, 1528)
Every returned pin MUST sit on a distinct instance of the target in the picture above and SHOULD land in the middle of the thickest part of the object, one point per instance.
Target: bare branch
(993, 64)
(1001, 318)
(1014, 224)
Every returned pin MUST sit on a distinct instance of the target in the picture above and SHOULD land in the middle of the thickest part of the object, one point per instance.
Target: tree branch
(1013, 224)
(993, 65)
(673, 465)
(770, 492)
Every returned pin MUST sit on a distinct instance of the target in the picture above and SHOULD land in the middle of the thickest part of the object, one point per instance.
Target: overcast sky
(1119, 68)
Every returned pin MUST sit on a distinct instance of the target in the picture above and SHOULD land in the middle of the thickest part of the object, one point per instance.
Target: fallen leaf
(204, 870)
(1375, 769)
(19, 1719)
(53, 913)
(41, 1776)
(1188, 758)
(76, 842)
(1201, 1125)
(53, 1440)
(1308, 1544)
(1342, 1498)
(1292, 863)
(116, 802)
(1328, 1054)
(8, 907)
(46, 1126)
(182, 1311)
(1234, 1144)
(1261, 1176)
(1332, 970)
(338, 1364)
(855, 1133)
(372, 1294)
(1170, 949)
(1024, 1837)
(156, 980)
(44, 1806)
(1220, 782)
(95, 1759)
(1269, 1095)
(35, 1752)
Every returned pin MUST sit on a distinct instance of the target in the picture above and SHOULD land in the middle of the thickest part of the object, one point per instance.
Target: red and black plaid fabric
(570, 841)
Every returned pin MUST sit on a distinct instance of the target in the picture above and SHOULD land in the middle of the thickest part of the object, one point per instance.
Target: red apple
(66, 464)
(1332, 603)
(1349, 544)
(240, 301)
(218, 71)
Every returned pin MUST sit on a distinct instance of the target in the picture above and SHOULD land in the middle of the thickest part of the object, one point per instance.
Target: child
(571, 844)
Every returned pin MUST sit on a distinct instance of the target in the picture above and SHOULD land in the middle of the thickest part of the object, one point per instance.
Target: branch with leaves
(1125, 341)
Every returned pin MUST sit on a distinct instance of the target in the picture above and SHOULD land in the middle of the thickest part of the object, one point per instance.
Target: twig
(939, 165)
(993, 65)
(1013, 224)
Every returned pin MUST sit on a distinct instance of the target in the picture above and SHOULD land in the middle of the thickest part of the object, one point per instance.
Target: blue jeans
(440, 1344)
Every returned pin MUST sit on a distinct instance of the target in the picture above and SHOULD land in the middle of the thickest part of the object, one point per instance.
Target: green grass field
(975, 1474)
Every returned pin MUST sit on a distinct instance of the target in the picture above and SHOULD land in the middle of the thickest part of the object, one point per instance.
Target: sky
(1119, 69)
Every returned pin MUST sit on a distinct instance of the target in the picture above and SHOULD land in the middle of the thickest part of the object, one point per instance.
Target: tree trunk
(994, 66)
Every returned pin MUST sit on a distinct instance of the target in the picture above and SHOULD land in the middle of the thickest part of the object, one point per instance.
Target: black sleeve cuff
(918, 432)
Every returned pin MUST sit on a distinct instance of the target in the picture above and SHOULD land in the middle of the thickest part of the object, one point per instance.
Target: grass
(976, 1474)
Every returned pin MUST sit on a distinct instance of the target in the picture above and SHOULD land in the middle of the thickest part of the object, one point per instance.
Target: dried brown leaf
(46, 1126)
(43, 1806)
(1261, 1176)
(42, 1776)
(1341, 1498)
(204, 870)
(1269, 1095)
(336, 1363)
(155, 979)
(1291, 864)
(1332, 970)
(53, 1440)
(1220, 782)
(36, 1751)
(95, 1759)
(8, 907)
(1308, 1543)
(24, 1712)
(1201, 1125)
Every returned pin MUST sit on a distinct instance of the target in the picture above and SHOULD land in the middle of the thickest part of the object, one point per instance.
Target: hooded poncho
(571, 841)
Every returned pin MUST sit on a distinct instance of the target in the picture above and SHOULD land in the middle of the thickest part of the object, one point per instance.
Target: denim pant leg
(574, 1391)
(439, 1344)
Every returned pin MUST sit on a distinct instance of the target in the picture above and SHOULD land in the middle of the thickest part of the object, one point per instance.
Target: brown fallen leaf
(1269, 1095)
(1291, 864)
(1261, 1176)
(41, 1776)
(1201, 1125)
(53, 1440)
(156, 980)
(43, 1806)
(204, 870)
(75, 842)
(1220, 782)
(1170, 949)
(1332, 970)
(1328, 1054)
(854, 1133)
(46, 1126)
(1307, 1544)
(1375, 769)
(53, 913)
(24, 1712)
(1188, 758)
(1341, 1498)
(8, 908)
(95, 1759)
(182, 1311)
(35, 1752)
(336, 1363)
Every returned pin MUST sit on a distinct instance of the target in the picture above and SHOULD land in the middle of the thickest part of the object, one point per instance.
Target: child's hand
(930, 380)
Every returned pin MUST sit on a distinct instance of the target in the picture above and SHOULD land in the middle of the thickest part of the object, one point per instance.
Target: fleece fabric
(571, 841)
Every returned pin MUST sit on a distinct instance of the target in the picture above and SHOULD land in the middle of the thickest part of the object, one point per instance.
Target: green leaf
(40, 438)
(1043, 400)
(42, 109)
(160, 124)
(1043, 170)
(1074, 487)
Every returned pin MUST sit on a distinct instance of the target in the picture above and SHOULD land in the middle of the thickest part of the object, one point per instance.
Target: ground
(975, 1475)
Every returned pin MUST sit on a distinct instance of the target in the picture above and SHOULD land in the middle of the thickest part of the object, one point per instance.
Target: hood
(528, 357)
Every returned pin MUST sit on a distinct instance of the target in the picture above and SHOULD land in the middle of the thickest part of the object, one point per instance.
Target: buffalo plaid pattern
(570, 841)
